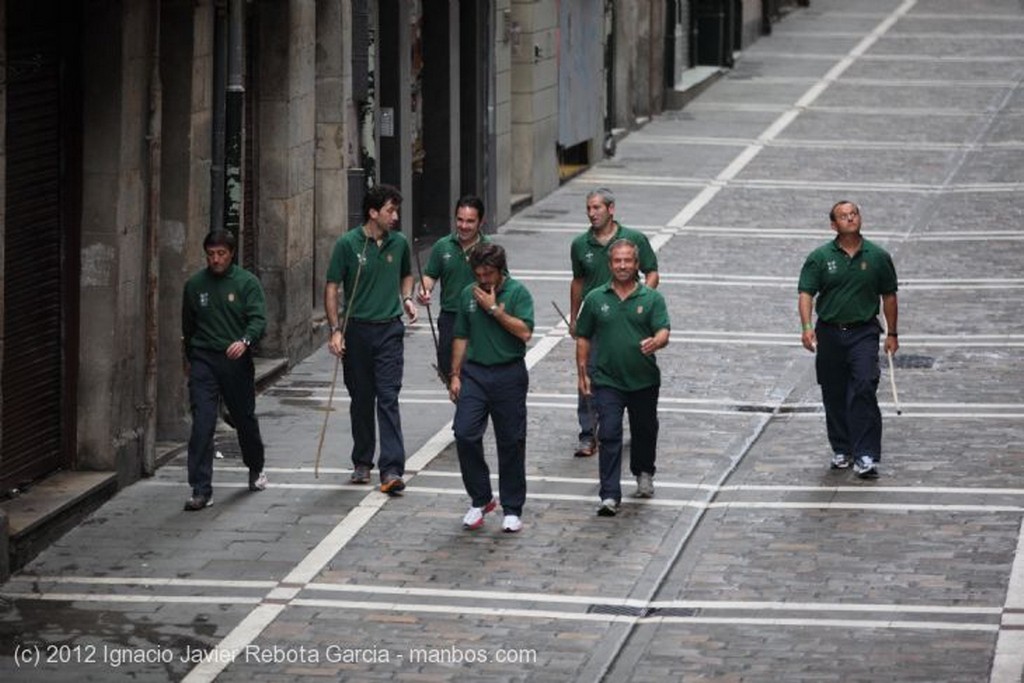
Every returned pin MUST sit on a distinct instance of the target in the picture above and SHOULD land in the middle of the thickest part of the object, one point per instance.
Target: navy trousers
(498, 391)
(643, 429)
(848, 372)
(373, 365)
(212, 376)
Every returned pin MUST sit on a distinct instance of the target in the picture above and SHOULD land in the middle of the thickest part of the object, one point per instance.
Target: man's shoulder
(631, 234)
(868, 246)
(822, 250)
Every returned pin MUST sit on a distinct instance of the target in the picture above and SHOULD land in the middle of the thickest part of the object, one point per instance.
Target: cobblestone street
(754, 561)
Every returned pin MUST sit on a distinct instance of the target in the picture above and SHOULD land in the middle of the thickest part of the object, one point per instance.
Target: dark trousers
(212, 376)
(848, 372)
(373, 364)
(498, 391)
(586, 413)
(445, 336)
(643, 428)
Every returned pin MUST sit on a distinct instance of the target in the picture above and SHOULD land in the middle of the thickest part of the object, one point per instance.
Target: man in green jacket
(223, 312)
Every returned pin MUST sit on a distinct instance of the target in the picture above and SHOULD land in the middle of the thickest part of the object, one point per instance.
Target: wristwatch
(493, 309)
(246, 341)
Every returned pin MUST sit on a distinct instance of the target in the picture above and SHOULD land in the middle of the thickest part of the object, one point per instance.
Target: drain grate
(909, 361)
(619, 610)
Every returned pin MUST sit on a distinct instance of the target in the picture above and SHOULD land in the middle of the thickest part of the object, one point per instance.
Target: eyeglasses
(847, 216)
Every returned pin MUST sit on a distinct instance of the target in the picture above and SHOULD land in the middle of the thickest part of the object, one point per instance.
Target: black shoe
(360, 475)
(198, 503)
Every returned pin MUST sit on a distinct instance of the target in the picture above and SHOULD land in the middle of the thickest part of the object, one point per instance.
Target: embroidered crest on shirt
(390, 258)
(231, 296)
(832, 266)
(605, 308)
(863, 265)
(204, 299)
(640, 310)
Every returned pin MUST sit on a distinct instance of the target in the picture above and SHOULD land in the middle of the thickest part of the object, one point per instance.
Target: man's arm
(455, 381)
(805, 304)
(651, 279)
(336, 343)
(890, 309)
(408, 303)
(582, 354)
(575, 301)
(654, 343)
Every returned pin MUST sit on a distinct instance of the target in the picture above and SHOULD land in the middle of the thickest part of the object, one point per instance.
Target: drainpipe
(233, 124)
(154, 138)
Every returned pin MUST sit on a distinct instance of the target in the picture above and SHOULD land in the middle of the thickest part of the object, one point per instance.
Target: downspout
(233, 132)
(154, 138)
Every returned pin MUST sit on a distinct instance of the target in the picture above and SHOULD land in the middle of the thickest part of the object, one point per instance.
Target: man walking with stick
(373, 264)
(589, 256)
(489, 377)
(843, 280)
(449, 266)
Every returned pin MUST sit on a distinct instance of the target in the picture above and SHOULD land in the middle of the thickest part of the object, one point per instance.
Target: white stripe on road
(1008, 662)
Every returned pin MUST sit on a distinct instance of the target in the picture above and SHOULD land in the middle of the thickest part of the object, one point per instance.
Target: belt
(388, 321)
(847, 326)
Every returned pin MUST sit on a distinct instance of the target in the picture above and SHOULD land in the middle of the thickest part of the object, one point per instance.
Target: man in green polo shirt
(628, 322)
(843, 279)
(590, 270)
(223, 312)
(372, 262)
(489, 377)
(449, 266)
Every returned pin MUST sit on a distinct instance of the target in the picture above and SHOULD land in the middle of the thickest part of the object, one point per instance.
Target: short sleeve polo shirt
(590, 258)
(376, 296)
(449, 264)
(619, 325)
(847, 287)
(488, 343)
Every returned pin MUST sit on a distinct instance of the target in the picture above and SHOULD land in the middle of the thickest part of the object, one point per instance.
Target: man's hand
(410, 309)
(236, 350)
(454, 388)
(809, 340)
(584, 384)
(892, 344)
(336, 344)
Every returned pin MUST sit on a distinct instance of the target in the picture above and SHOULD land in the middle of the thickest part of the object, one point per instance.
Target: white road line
(614, 618)
(247, 631)
(590, 481)
(1008, 662)
(753, 505)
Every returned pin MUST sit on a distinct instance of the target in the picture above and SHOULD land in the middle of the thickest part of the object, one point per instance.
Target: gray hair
(606, 195)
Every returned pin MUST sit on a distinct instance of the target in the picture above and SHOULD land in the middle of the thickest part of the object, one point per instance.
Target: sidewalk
(754, 562)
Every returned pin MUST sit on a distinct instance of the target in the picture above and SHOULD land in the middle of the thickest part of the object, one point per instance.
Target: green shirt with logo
(449, 265)
(377, 294)
(488, 342)
(847, 287)
(618, 326)
(217, 311)
(590, 258)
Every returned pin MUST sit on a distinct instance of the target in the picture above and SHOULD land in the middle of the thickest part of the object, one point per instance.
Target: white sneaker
(511, 524)
(257, 482)
(474, 518)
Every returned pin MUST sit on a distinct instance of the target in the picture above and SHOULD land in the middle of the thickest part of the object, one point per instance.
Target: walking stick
(337, 359)
(892, 384)
(430, 319)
